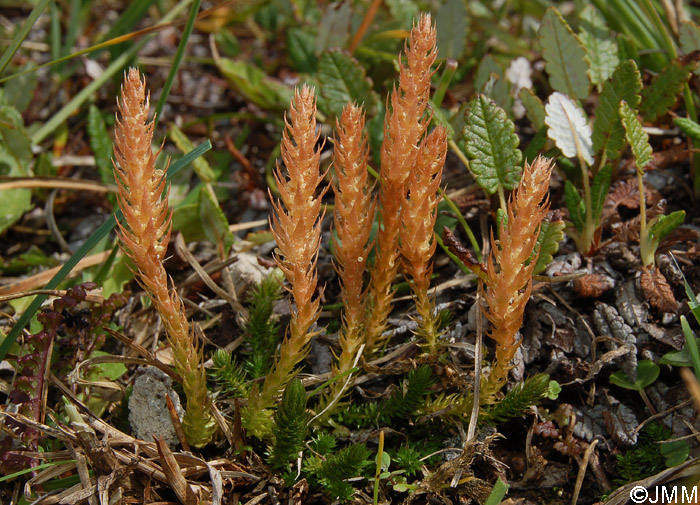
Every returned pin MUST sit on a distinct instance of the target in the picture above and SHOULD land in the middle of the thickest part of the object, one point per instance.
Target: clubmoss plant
(417, 236)
(406, 124)
(143, 199)
(352, 220)
(296, 226)
(509, 269)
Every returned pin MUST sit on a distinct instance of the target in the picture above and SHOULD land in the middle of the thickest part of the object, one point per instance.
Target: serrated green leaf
(214, 223)
(101, 144)
(534, 108)
(491, 142)
(342, 79)
(334, 28)
(300, 48)
(599, 190)
(452, 36)
(636, 136)
(664, 89)
(536, 145)
(200, 165)
(674, 452)
(568, 127)
(663, 225)
(403, 11)
(19, 92)
(490, 80)
(608, 133)
(689, 127)
(575, 205)
(14, 138)
(254, 84)
(564, 56)
(601, 49)
(551, 233)
(33, 257)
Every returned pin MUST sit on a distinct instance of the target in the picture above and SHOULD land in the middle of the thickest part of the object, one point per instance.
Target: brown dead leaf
(657, 290)
(593, 285)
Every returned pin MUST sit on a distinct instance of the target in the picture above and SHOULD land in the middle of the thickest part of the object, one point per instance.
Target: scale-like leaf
(608, 133)
(342, 80)
(491, 142)
(663, 91)
(601, 49)
(551, 233)
(564, 56)
(452, 35)
(636, 136)
(568, 127)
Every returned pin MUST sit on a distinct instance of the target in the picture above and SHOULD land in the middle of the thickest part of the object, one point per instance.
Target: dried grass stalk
(417, 236)
(352, 218)
(405, 125)
(296, 226)
(143, 199)
(508, 286)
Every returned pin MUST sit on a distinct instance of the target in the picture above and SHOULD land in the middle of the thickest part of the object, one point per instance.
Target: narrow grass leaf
(452, 36)
(564, 56)
(568, 127)
(342, 79)
(636, 136)
(21, 34)
(491, 142)
(87, 246)
(661, 94)
(601, 49)
(177, 59)
(608, 133)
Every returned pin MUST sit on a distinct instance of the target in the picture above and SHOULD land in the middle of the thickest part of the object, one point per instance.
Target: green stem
(445, 78)
(644, 242)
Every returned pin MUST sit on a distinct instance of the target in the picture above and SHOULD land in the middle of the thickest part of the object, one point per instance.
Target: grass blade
(22, 34)
(177, 60)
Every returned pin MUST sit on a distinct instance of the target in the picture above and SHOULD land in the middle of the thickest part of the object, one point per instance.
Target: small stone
(148, 411)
